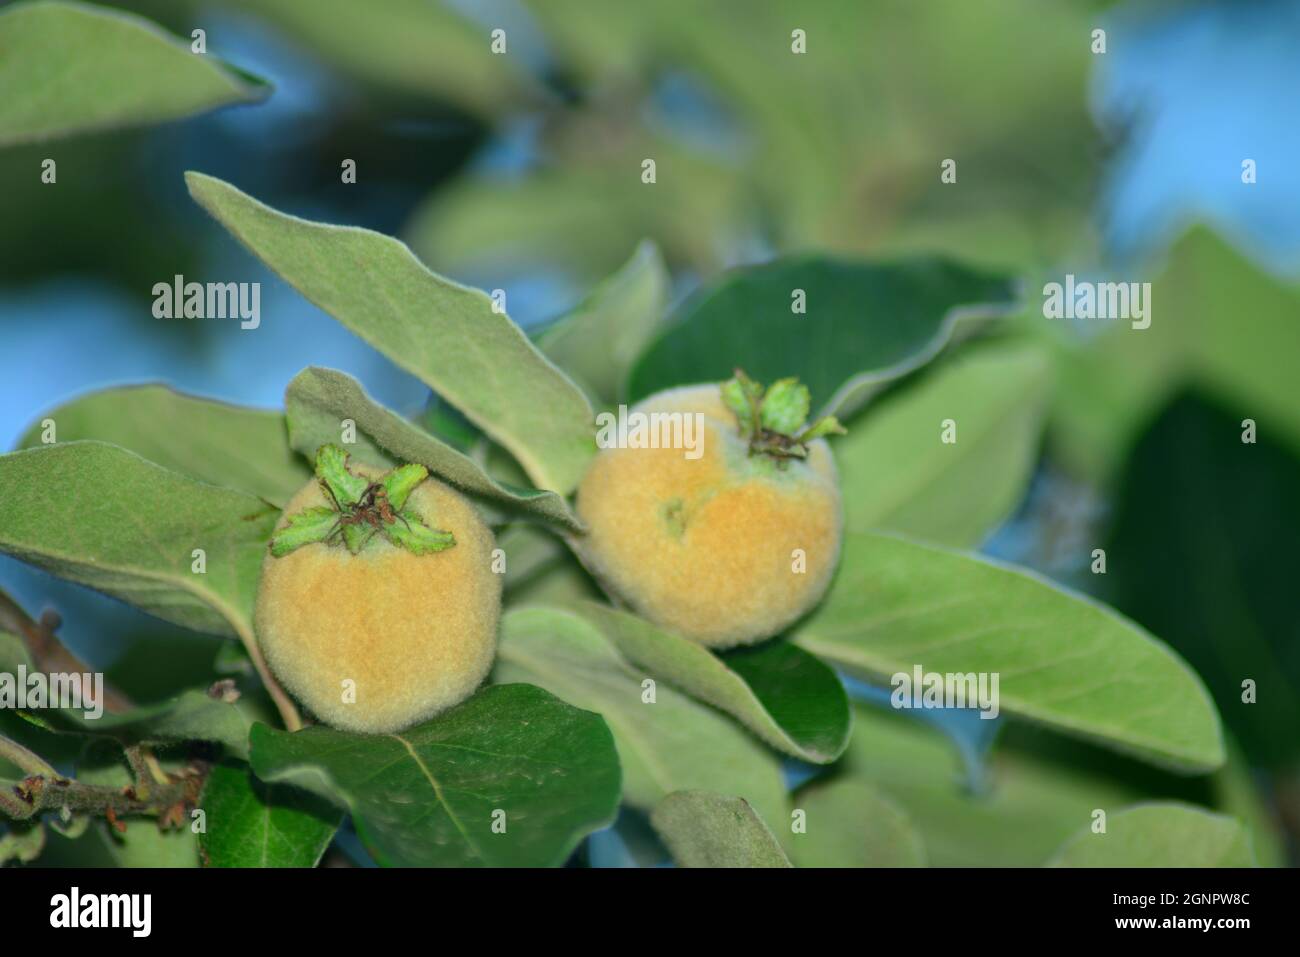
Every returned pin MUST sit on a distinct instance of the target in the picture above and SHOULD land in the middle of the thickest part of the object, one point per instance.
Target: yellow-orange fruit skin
(707, 547)
(416, 633)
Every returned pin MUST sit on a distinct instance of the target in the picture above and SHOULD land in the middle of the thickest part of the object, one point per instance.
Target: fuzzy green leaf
(702, 829)
(230, 445)
(437, 794)
(317, 400)
(899, 476)
(71, 67)
(780, 692)
(826, 425)
(1160, 835)
(117, 523)
(598, 341)
(848, 823)
(451, 337)
(672, 744)
(1061, 659)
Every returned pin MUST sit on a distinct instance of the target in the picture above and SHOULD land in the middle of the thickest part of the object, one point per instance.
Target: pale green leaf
(101, 516)
(848, 823)
(450, 336)
(597, 342)
(71, 67)
(780, 692)
(674, 744)
(702, 829)
(319, 400)
(235, 446)
(1160, 835)
(1061, 659)
(899, 476)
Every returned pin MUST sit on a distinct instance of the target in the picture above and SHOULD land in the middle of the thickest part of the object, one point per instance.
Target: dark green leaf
(866, 323)
(430, 796)
(251, 824)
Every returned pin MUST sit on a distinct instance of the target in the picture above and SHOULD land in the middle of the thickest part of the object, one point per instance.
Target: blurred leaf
(897, 474)
(1035, 791)
(419, 47)
(780, 692)
(703, 829)
(597, 342)
(190, 716)
(251, 824)
(866, 323)
(437, 794)
(70, 67)
(124, 526)
(851, 824)
(319, 400)
(242, 448)
(671, 745)
(1218, 322)
(580, 215)
(1160, 835)
(1202, 551)
(1062, 659)
(449, 336)
(22, 843)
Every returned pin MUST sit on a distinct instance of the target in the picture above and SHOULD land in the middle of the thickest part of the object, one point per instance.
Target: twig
(168, 801)
(48, 653)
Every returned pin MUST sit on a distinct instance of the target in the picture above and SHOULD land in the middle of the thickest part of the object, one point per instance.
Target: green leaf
(866, 323)
(22, 843)
(449, 336)
(242, 448)
(1016, 807)
(703, 829)
(899, 476)
(1160, 835)
(412, 47)
(672, 744)
(1061, 659)
(251, 824)
(780, 692)
(70, 68)
(192, 715)
(597, 342)
(1202, 550)
(742, 395)
(851, 824)
(785, 406)
(430, 796)
(318, 400)
(124, 526)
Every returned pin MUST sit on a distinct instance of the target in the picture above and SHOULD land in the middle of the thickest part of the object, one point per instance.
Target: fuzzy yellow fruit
(727, 548)
(385, 638)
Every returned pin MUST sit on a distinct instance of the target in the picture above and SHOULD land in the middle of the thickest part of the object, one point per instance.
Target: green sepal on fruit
(360, 509)
(774, 420)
